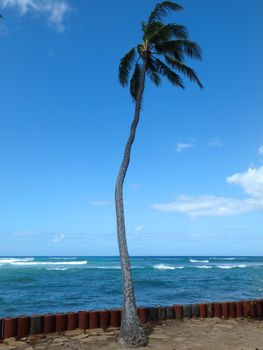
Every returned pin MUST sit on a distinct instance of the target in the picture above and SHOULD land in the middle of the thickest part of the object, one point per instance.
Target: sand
(205, 334)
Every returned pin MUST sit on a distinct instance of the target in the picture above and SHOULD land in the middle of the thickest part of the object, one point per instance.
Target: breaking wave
(219, 258)
(167, 267)
(203, 267)
(163, 267)
(105, 267)
(242, 266)
(15, 260)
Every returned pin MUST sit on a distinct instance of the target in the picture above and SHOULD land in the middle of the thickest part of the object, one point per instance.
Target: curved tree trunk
(131, 332)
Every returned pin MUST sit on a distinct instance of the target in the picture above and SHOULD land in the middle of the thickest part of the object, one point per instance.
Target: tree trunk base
(132, 336)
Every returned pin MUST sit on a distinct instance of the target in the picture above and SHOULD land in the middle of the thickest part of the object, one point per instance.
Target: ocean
(38, 285)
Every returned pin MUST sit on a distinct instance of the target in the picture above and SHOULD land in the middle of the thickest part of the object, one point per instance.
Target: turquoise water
(56, 284)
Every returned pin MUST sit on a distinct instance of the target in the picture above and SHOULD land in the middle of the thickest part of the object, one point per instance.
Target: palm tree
(161, 53)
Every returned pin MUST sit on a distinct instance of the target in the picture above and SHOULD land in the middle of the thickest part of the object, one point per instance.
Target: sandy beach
(205, 334)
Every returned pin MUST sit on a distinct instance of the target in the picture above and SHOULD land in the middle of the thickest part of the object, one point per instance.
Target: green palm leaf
(168, 32)
(153, 72)
(135, 81)
(173, 77)
(191, 49)
(162, 9)
(172, 48)
(151, 29)
(178, 48)
(182, 68)
(125, 66)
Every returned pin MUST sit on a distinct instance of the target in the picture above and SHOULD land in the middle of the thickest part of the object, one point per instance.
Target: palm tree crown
(167, 41)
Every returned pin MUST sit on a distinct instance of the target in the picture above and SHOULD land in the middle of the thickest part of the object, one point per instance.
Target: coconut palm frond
(152, 71)
(162, 9)
(184, 69)
(173, 77)
(168, 32)
(125, 67)
(143, 26)
(191, 49)
(177, 30)
(181, 46)
(135, 81)
(172, 48)
(151, 29)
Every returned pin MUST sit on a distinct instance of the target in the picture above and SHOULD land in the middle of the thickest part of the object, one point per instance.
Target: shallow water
(55, 284)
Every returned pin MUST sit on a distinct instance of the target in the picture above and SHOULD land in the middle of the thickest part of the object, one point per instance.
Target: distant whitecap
(15, 260)
(163, 267)
(242, 266)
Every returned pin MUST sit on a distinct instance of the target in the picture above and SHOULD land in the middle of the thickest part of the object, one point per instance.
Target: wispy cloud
(24, 233)
(54, 10)
(58, 238)
(260, 150)
(101, 203)
(139, 228)
(215, 142)
(180, 147)
(251, 182)
(134, 186)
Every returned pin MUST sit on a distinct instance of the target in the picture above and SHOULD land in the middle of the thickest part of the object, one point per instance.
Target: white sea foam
(197, 261)
(14, 260)
(224, 258)
(105, 267)
(203, 267)
(57, 268)
(137, 267)
(163, 267)
(42, 263)
(242, 266)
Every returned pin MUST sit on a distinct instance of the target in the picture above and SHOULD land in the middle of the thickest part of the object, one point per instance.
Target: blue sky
(195, 183)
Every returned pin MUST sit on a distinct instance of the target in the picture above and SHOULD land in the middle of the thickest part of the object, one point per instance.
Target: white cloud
(101, 203)
(134, 187)
(260, 150)
(58, 238)
(210, 206)
(139, 228)
(215, 142)
(180, 147)
(54, 10)
(252, 183)
(24, 233)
